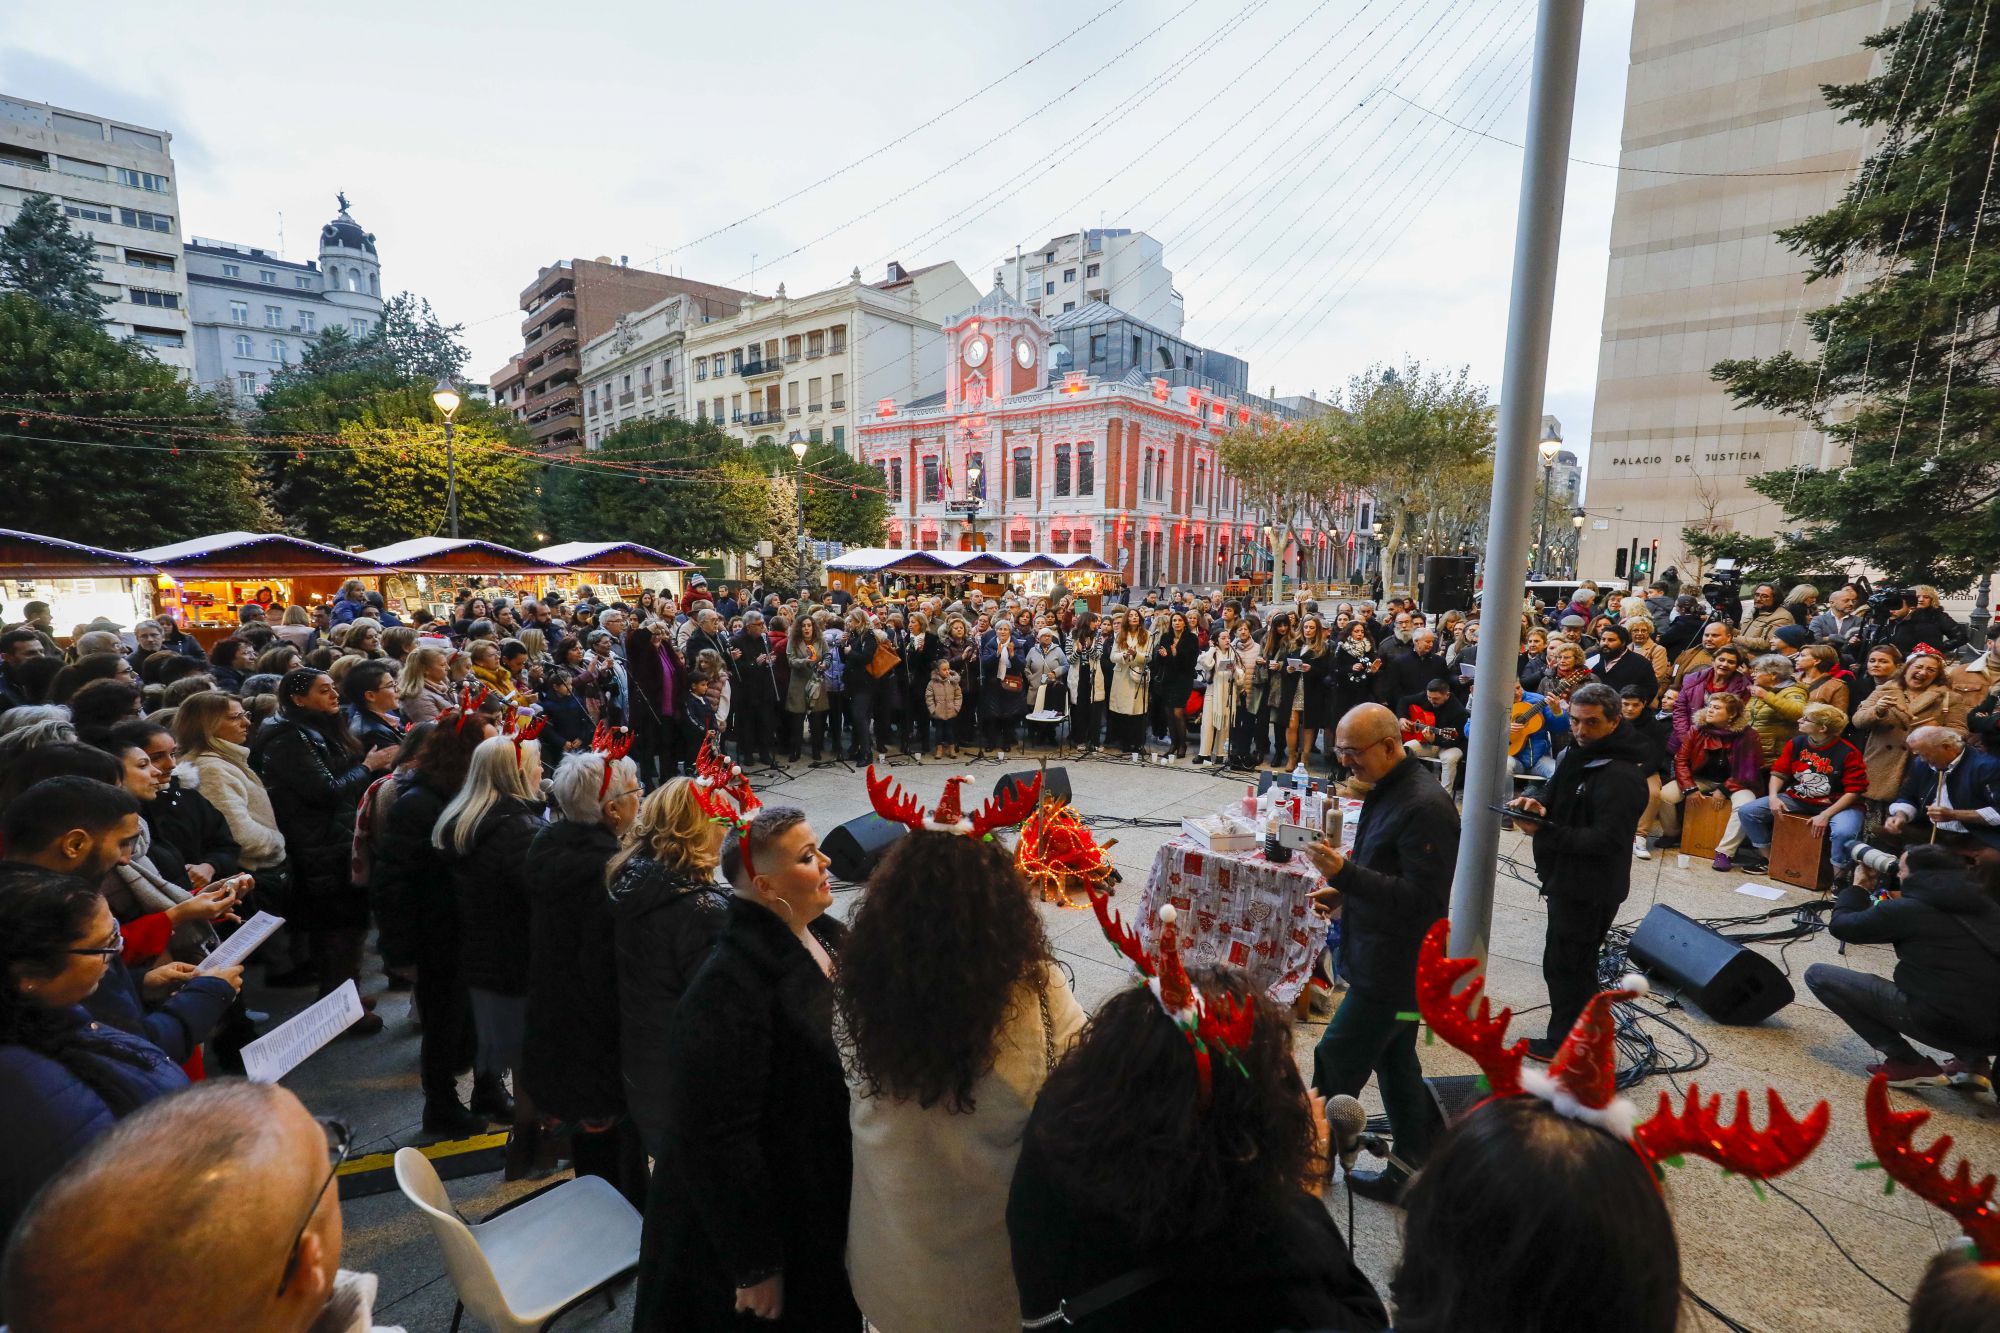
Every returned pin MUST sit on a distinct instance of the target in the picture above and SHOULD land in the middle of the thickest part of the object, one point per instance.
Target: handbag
(884, 661)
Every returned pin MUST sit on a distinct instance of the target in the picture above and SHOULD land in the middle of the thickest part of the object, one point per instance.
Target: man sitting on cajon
(1819, 776)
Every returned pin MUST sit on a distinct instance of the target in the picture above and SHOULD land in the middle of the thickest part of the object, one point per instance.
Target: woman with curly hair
(1201, 1209)
(951, 1015)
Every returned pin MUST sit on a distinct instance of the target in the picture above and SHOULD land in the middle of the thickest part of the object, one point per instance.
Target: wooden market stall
(423, 575)
(81, 583)
(201, 581)
(618, 570)
(992, 572)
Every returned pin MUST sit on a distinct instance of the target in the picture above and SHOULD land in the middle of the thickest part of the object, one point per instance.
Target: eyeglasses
(338, 1138)
(111, 949)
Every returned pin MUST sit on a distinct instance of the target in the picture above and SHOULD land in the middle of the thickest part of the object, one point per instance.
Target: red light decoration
(1243, 416)
(1194, 400)
(885, 407)
(1161, 389)
(1073, 383)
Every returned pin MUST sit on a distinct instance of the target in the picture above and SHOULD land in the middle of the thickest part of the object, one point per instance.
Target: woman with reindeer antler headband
(1543, 1206)
(1168, 1172)
(952, 1014)
(747, 1213)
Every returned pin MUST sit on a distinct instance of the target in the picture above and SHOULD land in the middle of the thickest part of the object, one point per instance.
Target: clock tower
(998, 348)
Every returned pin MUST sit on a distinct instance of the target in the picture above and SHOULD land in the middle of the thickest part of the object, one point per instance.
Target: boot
(449, 1120)
(491, 1098)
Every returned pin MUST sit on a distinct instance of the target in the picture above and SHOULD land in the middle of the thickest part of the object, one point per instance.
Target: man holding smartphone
(1395, 884)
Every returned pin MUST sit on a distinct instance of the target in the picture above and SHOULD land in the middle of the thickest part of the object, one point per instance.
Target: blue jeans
(1543, 768)
(1758, 819)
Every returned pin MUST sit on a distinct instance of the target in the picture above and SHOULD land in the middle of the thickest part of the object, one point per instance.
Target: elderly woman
(1048, 683)
(1915, 697)
(1776, 702)
(570, 1050)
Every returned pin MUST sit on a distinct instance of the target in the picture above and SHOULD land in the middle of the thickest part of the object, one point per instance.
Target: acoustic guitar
(1527, 721)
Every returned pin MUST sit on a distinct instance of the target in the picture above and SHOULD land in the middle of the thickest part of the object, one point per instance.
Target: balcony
(791, 358)
(762, 419)
(549, 339)
(838, 404)
(555, 425)
(753, 369)
(792, 411)
(838, 349)
(561, 306)
(814, 407)
(625, 399)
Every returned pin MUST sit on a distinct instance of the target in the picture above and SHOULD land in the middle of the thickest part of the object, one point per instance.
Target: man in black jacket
(1583, 849)
(1618, 667)
(755, 702)
(1945, 926)
(1407, 673)
(1390, 890)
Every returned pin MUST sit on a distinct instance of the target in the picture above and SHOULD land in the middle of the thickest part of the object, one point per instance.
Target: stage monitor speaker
(1447, 583)
(857, 845)
(1055, 782)
(1729, 983)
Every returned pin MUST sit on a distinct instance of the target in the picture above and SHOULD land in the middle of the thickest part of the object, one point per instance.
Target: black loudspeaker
(1055, 782)
(857, 845)
(1447, 583)
(1729, 983)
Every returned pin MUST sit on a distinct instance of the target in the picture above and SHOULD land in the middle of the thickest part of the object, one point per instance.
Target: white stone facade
(1122, 268)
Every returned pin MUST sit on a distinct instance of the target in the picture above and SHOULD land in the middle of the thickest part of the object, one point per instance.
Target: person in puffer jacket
(945, 698)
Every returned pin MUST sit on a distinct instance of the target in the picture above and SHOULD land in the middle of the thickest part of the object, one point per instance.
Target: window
(792, 398)
(701, 409)
(1091, 271)
(840, 442)
(895, 472)
(736, 360)
(1024, 473)
(839, 335)
(246, 383)
(701, 367)
(360, 329)
(816, 343)
(814, 403)
(626, 387)
(717, 367)
(71, 166)
(1146, 476)
(815, 436)
(1049, 258)
(280, 353)
(718, 407)
(792, 348)
(645, 379)
(306, 318)
(132, 217)
(736, 407)
(143, 180)
(142, 259)
(1048, 289)
(374, 284)
(1068, 306)
(1200, 475)
(239, 312)
(839, 392)
(1062, 469)
(977, 460)
(244, 347)
(1069, 275)
(931, 492)
(88, 213)
(265, 275)
(590, 402)
(332, 276)
(302, 282)
(158, 337)
(158, 300)
(274, 317)
(1086, 472)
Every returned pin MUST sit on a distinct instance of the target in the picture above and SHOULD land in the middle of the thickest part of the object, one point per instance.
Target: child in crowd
(944, 696)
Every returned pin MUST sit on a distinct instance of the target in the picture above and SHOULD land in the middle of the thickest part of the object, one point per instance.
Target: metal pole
(1537, 236)
(450, 483)
(804, 585)
(1982, 609)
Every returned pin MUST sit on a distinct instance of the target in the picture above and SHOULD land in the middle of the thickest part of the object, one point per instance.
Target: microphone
(1347, 1119)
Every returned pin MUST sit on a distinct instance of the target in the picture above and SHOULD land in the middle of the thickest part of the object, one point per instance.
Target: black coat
(757, 686)
(1173, 668)
(855, 655)
(1630, 669)
(664, 922)
(372, 731)
(313, 793)
(1408, 673)
(569, 1055)
(188, 830)
(1397, 882)
(414, 901)
(1594, 800)
(1926, 624)
(494, 912)
(1946, 931)
(759, 1161)
(1287, 1270)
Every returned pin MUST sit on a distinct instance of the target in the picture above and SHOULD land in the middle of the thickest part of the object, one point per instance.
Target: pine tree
(684, 488)
(844, 500)
(1903, 379)
(782, 568)
(42, 256)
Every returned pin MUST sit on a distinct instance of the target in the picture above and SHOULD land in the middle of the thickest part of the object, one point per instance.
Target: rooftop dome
(344, 231)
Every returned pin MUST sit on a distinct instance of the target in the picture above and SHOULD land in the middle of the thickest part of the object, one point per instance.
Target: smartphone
(1298, 837)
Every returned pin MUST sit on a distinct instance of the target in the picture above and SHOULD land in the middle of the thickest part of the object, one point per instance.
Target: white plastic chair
(524, 1266)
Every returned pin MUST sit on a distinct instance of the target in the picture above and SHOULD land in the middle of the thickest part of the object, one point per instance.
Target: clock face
(1024, 352)
(975, 351)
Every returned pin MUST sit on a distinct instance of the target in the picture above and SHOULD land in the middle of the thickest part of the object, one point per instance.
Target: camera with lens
(1886, 864)
(1724, 583)
(1885, 602)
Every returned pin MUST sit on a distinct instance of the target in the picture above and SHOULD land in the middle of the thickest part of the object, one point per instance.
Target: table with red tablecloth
(1238, 908)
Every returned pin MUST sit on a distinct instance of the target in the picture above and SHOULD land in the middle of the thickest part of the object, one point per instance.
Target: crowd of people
(903, 1116)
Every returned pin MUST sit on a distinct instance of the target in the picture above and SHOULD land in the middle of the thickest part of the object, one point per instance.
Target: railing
(792, 411)
(763, 418)
(838, 403)
(815, 407)
(791, 357)
(760, 367)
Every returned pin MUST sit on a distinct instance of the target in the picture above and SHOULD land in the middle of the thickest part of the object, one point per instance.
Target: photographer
(1945, 926)
(1955, 789)
(1767, 617)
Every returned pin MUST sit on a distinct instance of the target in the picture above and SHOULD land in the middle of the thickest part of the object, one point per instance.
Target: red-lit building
(1125, 470)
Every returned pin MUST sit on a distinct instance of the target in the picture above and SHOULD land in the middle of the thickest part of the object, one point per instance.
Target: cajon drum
(1799, 854)
(1703, 818)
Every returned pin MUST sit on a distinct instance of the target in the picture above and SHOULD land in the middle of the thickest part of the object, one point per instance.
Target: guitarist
(1434, 728)
(1531, 735)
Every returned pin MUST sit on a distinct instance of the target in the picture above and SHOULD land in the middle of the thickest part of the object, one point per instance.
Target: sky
(1294, 158)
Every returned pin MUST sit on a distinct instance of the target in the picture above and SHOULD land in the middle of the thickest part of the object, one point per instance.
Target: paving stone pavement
(1764, 1262)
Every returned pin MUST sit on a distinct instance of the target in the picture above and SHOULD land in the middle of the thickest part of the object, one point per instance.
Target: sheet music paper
(285, 1047)
(243, 943)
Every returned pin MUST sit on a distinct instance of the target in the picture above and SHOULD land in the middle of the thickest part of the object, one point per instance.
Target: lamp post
(1375, 531)
(972, 471)
(1551, 444)
(1576, 551)
(445, 395)
(798, 444)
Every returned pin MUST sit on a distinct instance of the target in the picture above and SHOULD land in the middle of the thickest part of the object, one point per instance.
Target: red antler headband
(723, 793)
(1581, 1082)
(468, 703)
(899, 807)
(1921, 1171)
(1210, 1027)
(522, 735)
(614, 743)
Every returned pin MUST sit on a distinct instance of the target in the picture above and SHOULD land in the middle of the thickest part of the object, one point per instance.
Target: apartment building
(115, 182)
(638, 370)
(253, 312)
(818, 364)
(569, 303)
(1117, 266)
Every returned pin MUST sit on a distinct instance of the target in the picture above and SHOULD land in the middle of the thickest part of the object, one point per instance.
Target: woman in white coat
(951, 1014)
(213, 732)
(1128, 668)
(1230, 667)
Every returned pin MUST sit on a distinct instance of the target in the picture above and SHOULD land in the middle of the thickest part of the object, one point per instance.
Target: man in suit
(1954, 789)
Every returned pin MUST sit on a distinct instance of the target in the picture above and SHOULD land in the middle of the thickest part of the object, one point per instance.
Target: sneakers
(1542, 1049)
(1722, 861)
(1640, 850)
(1752, 859)
(1911, 1074)
(1970, 1075)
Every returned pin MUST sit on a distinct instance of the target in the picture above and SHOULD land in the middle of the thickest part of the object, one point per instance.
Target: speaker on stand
(1447, 583)
(857, 845)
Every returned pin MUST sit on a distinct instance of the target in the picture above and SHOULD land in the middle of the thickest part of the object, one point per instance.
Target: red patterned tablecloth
(1236, 907)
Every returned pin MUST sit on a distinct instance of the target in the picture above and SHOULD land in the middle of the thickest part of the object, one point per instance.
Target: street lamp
(1576, 560)
(972, 497)
(1550, 446)
(798, 444)
(445, 395)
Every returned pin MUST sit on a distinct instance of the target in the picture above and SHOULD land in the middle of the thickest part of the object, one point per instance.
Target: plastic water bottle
(1299, 779)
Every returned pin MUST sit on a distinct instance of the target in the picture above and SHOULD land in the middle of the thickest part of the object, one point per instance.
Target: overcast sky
(1314, 222)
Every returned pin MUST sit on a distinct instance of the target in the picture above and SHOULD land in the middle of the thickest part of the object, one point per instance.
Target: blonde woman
(297, 629)
(1129, 670)
(484, 835)
(1650, 648)
(1915, 697)
(213, 732)
(667, 907)
(424, 688)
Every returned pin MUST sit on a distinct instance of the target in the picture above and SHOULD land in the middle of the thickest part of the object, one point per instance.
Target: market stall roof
(254, 555)
(1088, 564)
(1029, 560)
(877, 559)
(457, 555)
(610, 556)
(976, 562)
(29, 555)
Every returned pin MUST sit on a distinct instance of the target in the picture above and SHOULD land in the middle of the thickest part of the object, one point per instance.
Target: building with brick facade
(568, 304)
(1124, 469)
